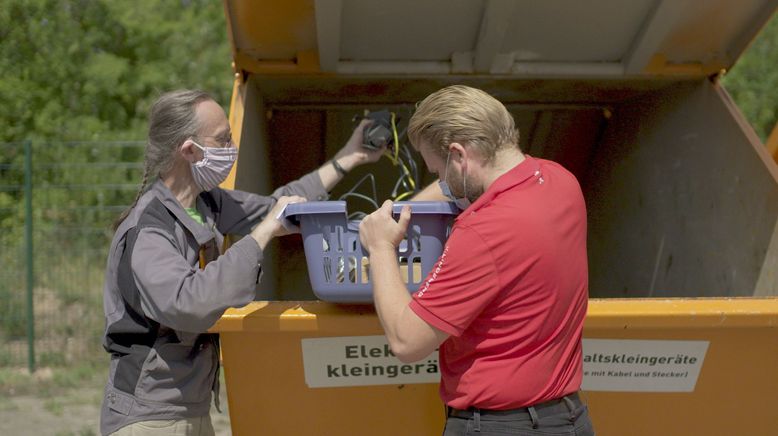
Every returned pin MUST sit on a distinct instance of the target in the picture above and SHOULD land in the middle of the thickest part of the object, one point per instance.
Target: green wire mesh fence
(57, 203)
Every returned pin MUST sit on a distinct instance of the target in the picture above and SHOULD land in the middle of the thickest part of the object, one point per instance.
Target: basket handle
(290, 222)
(426, 207)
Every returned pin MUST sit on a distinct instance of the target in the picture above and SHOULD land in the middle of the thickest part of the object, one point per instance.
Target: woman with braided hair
(169, 277)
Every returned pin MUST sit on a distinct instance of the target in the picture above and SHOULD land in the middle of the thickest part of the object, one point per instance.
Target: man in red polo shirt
(507, 299)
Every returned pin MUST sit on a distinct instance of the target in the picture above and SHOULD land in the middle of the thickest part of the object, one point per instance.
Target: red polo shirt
(511, 289)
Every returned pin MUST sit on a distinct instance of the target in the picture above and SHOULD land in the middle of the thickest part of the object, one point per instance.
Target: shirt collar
(163, 193)
(513, 177)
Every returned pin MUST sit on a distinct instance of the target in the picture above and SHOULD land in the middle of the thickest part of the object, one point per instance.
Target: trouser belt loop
(570, 406)
(533, 415)
(477, 419)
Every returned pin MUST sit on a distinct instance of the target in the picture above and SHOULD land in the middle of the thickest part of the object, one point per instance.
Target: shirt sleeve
(241, 211)
(179, 296)
(459, 287)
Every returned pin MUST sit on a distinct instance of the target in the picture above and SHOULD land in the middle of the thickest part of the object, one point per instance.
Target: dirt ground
(74, 412)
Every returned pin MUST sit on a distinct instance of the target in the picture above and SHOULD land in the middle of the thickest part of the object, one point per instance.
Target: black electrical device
(380, 133)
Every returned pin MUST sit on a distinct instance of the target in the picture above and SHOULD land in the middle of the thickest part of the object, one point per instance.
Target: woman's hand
(272, 226)
(354, 153)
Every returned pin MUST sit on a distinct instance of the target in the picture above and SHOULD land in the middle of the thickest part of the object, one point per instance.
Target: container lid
(510, 38)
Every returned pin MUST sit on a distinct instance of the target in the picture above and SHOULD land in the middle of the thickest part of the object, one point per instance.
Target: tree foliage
(753, 81)
(89, 69)
(85, 70)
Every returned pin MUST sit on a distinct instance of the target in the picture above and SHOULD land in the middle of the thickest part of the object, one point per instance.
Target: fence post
(28, 254)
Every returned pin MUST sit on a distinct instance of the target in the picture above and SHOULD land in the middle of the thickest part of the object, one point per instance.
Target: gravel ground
(72, 412)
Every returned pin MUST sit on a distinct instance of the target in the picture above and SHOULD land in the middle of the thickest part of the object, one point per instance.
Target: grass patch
(15, 381)
(49, 382)
(13, 318)
(54, 406)
(83, 432)
(6, 405)
(78, 375)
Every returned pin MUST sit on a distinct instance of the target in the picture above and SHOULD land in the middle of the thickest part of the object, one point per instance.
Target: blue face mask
(461, 202)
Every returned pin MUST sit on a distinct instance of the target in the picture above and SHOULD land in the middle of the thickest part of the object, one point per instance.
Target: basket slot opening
(341, 267)
(403, 261)
(403, 247)
(416, 238)
(327, 265)
(352, 244)
(352, 269)
(365, 269)
(414, 269)
(325, 237)
(339, 239)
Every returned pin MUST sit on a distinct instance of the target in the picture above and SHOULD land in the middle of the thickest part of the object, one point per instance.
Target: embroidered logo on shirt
(434, 273)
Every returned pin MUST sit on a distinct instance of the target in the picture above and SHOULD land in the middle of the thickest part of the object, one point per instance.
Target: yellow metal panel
(735, 392)
(237, 104)
(687, 313)
(608, 313)
(660, 66)
(304, 63)
(266, 38)
(266, 387)
(738, 382)
(772, 143)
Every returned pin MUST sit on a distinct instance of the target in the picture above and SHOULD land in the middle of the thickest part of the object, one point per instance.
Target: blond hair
(465, 115)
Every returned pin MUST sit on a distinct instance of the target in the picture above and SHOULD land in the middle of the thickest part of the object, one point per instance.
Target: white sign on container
(634, 365)
(361, 361)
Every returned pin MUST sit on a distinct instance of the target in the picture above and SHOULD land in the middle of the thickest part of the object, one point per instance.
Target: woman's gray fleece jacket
(159, 303)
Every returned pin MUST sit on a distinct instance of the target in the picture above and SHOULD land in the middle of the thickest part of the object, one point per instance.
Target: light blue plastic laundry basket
(337, 264)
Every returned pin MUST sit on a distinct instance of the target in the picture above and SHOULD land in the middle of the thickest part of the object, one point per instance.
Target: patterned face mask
(215, 166)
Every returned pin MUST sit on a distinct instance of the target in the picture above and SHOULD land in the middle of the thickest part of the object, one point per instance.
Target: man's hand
(409, 336)
(379, 229)
(353, 153)
(272, 227)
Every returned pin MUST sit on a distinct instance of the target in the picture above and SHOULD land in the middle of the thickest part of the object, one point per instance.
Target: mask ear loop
(464, 173)
(445, 173)
(196, 145)
(464, 177)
